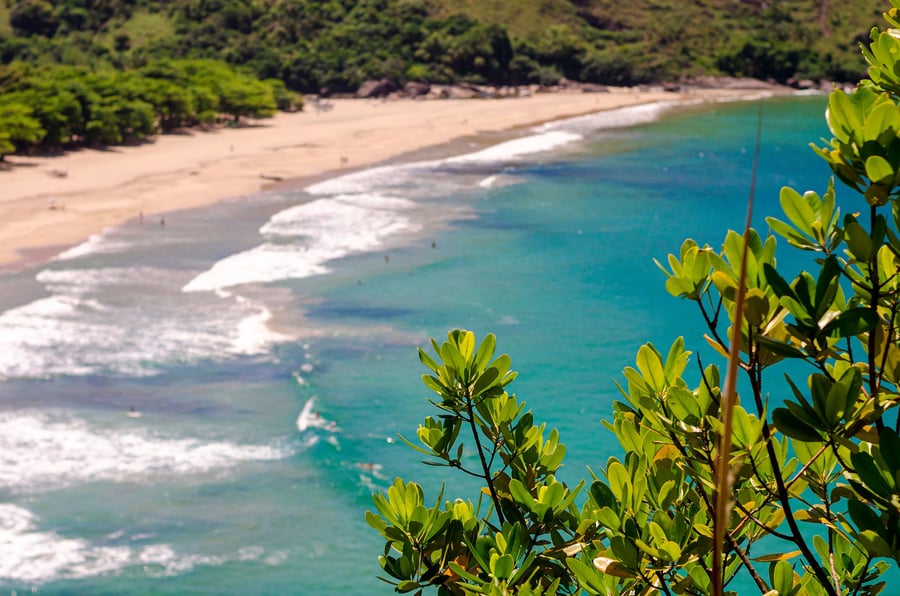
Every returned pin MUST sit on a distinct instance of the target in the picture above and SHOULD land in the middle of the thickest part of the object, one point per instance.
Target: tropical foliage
(338, 44)
(66, 61)
(789, 486)
(54, 106)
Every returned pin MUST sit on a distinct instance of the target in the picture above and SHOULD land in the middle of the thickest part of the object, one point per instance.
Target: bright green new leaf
(878, 169)
(649, 363)
(782, 577)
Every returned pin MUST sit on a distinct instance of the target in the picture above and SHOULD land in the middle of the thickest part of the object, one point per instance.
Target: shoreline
(44, 213)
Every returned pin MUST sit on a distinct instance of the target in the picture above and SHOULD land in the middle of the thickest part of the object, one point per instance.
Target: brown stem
(874, 297)
(484, 465)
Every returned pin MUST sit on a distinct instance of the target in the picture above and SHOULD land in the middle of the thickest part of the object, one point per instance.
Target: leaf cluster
(811, 466)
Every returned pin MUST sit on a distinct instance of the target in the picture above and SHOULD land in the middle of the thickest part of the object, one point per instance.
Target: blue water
(219, 327)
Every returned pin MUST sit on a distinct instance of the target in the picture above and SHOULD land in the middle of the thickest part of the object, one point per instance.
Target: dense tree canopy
(337, 44)
(54, 106)
(112, 71)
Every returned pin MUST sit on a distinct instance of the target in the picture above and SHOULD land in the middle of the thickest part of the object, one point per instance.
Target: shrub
(808, 483)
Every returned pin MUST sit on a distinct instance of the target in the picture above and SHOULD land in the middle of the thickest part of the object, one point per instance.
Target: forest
(110, 71)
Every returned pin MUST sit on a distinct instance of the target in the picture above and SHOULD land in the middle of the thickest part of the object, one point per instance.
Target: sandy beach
(43, 212)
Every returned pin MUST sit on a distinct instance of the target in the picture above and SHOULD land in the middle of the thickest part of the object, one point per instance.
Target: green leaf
(407, 586)
(874, 544)
(613, 567)
(756, 307)
(776, 282)
(858, 241)
(878, 169)
(648, 362)
(870, 474)
(782, 577)
(602, 494)
(677, 359)
(797, 209)
(619, 479)
(785, 421)
(428, 360)
(780, 348)
(587, 576)
(485, 381)
(889, 448)
(520, 494)
(787, 232)
(774, 557)
(485, 351)
(864, 517)
(503, 566)
(854, 321)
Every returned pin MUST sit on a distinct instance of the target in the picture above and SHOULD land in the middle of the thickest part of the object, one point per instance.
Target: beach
(51, 203)
(156, 382)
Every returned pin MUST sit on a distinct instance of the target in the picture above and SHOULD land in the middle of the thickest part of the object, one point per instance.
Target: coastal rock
(739, 83)
(438, 92)
(593, 88)
(376, 88)
(570, 85)
(416, 89)
(461, 92)
(802, 83)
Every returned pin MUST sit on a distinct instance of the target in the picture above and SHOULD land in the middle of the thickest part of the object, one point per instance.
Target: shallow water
(216, 329)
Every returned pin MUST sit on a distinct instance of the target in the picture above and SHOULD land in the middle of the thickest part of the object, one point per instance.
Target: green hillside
(337, 44)
(667, 39)
(97, 72)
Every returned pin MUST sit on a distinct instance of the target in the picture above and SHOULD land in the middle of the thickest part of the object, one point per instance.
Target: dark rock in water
(416, 89)
(376, 88)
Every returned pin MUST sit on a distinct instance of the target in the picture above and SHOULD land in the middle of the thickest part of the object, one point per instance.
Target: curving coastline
(48, 204)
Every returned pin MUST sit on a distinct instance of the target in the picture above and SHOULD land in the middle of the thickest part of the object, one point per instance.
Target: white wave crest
(309, 235)
(401, 175)
(39, 452)
(96, 244)
(125, 321)
(510, 150)
(619, 118)
(35, 556)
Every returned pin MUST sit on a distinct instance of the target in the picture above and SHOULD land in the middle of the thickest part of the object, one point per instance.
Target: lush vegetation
(795, 489)
(338, 44)
(63, 63)
(54, 106)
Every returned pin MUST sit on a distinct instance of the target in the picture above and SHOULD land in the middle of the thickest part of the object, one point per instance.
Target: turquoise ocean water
(219, 327)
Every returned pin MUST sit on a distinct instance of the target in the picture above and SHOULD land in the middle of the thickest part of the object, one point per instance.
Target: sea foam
(357, 212)
(37, 556)
(127, 321)
(303, 238)
(609, 119)
(40, 452)
(403, 175)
